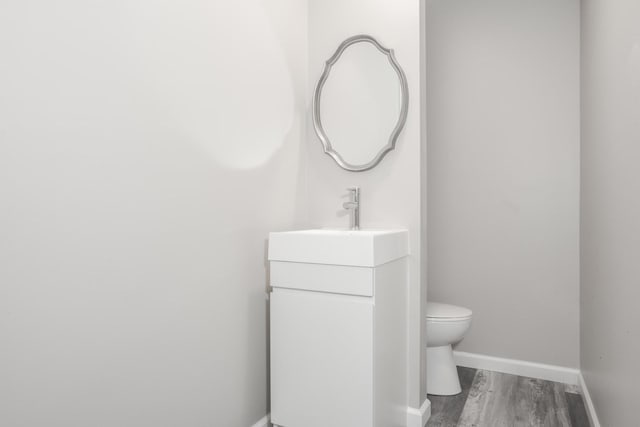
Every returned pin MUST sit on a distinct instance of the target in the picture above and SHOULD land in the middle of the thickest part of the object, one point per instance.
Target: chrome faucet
(354, 206)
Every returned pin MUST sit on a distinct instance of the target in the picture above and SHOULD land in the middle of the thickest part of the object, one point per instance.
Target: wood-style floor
(493, 399)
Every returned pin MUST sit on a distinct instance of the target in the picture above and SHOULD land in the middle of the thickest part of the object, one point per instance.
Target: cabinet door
(321, 359)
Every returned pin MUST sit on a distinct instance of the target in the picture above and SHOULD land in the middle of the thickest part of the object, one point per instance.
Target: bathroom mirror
(360, 103)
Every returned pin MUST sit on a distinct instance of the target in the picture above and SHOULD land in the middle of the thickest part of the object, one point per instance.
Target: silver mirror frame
(317, 120)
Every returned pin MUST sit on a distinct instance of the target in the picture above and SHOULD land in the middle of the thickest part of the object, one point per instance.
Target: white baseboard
(518, 367)
(263, 422)
(588, 403)
(419, 417)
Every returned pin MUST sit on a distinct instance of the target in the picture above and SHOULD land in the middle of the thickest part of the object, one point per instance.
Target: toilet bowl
(446, 325)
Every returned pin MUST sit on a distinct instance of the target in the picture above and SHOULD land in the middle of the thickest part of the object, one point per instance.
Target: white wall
(610, 232)
(391, 193)
(503, 172)
(146, 149)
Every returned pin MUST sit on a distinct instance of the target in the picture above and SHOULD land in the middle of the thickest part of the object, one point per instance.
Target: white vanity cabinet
(338, 328)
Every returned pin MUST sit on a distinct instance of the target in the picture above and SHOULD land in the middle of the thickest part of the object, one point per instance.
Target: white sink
(338, 304)
(363, 248)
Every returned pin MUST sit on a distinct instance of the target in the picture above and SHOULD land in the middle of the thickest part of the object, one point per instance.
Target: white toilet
(446, 325)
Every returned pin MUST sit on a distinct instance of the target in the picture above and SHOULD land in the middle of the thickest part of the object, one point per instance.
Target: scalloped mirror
(360, 103)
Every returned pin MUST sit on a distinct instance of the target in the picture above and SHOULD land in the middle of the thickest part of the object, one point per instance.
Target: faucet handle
(354, 192)
(354, 206)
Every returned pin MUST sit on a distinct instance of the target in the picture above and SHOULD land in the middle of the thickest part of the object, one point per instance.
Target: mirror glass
(360, 104)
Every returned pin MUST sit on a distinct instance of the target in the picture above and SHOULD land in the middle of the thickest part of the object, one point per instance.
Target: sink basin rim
(333, 246)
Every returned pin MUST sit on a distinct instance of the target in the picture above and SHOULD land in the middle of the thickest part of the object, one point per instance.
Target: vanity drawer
(336, 279)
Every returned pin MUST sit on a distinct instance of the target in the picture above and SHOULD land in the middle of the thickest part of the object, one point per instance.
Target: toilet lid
(436, 310)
